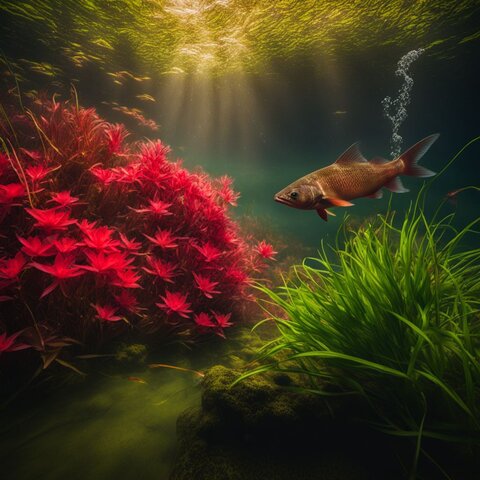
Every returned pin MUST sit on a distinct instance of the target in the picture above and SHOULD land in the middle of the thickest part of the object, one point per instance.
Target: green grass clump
(391, 315)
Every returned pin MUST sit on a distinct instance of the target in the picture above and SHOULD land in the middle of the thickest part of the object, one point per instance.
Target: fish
(145, 97)
(174, 367)
(352, 176)
(137, 380)
(452, 196)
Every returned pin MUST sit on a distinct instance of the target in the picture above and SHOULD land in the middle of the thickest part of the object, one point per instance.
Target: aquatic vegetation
(207, 36)
(391, 315)
(134, 354)
(101, 235)
(7, 343)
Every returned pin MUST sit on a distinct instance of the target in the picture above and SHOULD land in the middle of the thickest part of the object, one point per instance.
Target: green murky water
(263, 91)
(110, 428)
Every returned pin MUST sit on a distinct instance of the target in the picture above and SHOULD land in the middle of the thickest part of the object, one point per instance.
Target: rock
(257, 430)
(131, 356)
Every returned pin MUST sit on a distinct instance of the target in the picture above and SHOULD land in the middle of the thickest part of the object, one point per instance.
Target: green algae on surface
(219, 36)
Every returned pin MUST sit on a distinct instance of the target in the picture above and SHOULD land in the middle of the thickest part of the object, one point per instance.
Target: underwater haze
(257, 91)
(264, 92)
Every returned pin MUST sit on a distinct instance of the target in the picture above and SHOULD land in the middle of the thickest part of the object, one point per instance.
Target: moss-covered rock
(258, 429)
(131, 356)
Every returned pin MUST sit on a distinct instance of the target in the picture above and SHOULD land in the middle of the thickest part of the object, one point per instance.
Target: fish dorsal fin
(378, 160)
(351, 155)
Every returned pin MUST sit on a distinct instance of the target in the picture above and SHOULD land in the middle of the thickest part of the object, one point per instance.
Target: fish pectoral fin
(330, 213)
(338, 202)
(322, 213)
(378, 194)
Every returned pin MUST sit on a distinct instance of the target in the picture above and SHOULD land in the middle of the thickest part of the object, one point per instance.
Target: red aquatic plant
(175, 303)
(10, 192)
(205, 285)
(131, 246)
(66, 245)
(125, 233)
(161, 269)
(62, 269)
(126, 278)
(208, 251)
(36, 247)
(99, 262)
(7, 343)
(163, 239)
(156, 207)
(11, 268)
(223, 320)
(50, 219)
(107, 313)
(127, 301)
(203, 320)
(265, 250)
(63, 199)
(100, 239)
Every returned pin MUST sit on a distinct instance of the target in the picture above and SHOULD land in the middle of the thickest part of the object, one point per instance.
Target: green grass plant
(389, 314)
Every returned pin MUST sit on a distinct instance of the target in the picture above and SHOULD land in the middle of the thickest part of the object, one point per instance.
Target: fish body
(352, 176)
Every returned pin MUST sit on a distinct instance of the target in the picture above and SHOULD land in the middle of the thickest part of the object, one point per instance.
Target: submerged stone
(259, 430)
(133, 355)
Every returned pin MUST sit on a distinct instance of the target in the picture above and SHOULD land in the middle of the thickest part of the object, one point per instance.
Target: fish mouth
(280, 199)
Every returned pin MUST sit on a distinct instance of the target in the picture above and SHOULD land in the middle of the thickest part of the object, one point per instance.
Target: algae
(259, 430)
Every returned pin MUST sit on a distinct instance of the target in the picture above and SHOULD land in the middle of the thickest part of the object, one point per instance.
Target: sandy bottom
(107, 428)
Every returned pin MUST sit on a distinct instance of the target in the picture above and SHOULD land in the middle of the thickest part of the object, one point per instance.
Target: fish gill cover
(101, 235)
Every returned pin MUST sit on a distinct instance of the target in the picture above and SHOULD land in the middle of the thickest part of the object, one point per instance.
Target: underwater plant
(100, 235)
(390, 315)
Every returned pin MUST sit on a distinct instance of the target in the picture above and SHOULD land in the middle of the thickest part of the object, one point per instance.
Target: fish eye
(294, 195)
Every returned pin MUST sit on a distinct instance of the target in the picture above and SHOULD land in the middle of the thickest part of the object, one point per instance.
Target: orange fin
(322, 213)
(338, 202)
(351, 155)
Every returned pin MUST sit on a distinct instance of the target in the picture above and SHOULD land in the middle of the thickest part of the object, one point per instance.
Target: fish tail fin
(411, 157)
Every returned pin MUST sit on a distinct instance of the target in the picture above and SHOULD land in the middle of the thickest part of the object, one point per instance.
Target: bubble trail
(396, 110)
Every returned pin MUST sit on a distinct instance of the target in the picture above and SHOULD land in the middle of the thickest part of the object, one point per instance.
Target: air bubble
(396, 110)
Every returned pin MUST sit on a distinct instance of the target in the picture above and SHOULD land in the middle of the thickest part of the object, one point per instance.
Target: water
(269, 123)
(265, 92)
(109, 428)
